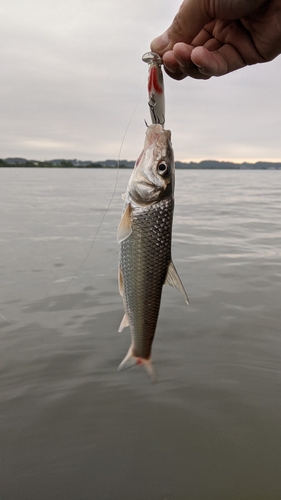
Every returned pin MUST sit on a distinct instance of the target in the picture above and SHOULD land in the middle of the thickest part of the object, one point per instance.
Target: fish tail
(131, 360)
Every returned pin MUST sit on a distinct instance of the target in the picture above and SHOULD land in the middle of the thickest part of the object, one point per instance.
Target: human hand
(211, 38)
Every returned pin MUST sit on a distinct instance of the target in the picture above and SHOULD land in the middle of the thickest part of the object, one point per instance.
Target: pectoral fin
(125, 320)
(120, 282)
(125, 226)
(174, 280)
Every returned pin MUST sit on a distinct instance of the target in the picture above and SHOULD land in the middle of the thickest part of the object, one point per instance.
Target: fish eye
(162, 168)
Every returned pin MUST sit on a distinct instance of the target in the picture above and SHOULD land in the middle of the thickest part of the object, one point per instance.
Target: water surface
(74, 428)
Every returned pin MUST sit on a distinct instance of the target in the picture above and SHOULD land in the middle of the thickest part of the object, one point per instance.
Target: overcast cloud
(71, 76)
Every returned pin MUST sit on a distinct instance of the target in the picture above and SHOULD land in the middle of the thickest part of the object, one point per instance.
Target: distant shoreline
(125, 164)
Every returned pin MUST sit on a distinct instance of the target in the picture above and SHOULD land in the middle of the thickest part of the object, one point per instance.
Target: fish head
(153, 176)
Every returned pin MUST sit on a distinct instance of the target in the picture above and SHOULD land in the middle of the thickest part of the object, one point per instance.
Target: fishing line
(113, 192)
(5, 319)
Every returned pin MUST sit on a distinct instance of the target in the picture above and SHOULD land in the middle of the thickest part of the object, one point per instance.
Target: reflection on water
(72, 427)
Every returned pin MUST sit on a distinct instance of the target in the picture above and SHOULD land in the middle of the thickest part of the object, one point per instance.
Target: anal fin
(173, 279)
(124, 323)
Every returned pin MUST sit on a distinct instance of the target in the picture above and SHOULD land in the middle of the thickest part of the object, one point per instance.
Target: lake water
(72, 428)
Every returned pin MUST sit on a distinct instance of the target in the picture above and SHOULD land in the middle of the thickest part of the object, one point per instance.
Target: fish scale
(144, 261)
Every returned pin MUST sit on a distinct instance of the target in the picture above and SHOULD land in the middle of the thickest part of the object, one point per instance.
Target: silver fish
(144, 235)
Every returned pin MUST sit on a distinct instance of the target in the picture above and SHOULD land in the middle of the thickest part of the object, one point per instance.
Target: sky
(73, 85)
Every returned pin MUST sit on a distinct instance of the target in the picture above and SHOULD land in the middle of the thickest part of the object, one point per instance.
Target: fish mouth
(156, 134)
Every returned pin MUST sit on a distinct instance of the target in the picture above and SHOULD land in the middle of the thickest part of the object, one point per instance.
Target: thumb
(188, 22)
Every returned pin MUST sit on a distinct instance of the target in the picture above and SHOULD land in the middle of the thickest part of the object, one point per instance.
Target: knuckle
(177, 30)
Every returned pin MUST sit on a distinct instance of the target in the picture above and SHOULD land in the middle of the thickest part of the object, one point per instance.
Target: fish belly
(144, 259)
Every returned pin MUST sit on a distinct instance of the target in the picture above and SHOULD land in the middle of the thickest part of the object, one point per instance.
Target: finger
(212, 45)
(187, 23)
(193, 15)
(178, 64)
(218, 62)
(205, 34)
(172, 66)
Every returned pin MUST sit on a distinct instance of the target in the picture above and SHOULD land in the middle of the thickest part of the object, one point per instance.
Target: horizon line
(236, 161)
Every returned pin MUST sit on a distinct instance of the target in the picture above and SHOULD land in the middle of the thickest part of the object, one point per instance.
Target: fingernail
(161, 42)
(197, 65)
(171, 70)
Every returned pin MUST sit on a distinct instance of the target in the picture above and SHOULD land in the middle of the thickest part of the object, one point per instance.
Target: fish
(144, 236)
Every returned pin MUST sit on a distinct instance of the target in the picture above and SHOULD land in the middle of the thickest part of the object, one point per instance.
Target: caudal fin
(131, 360)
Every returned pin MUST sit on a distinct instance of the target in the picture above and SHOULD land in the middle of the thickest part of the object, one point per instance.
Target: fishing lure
(156, 98)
